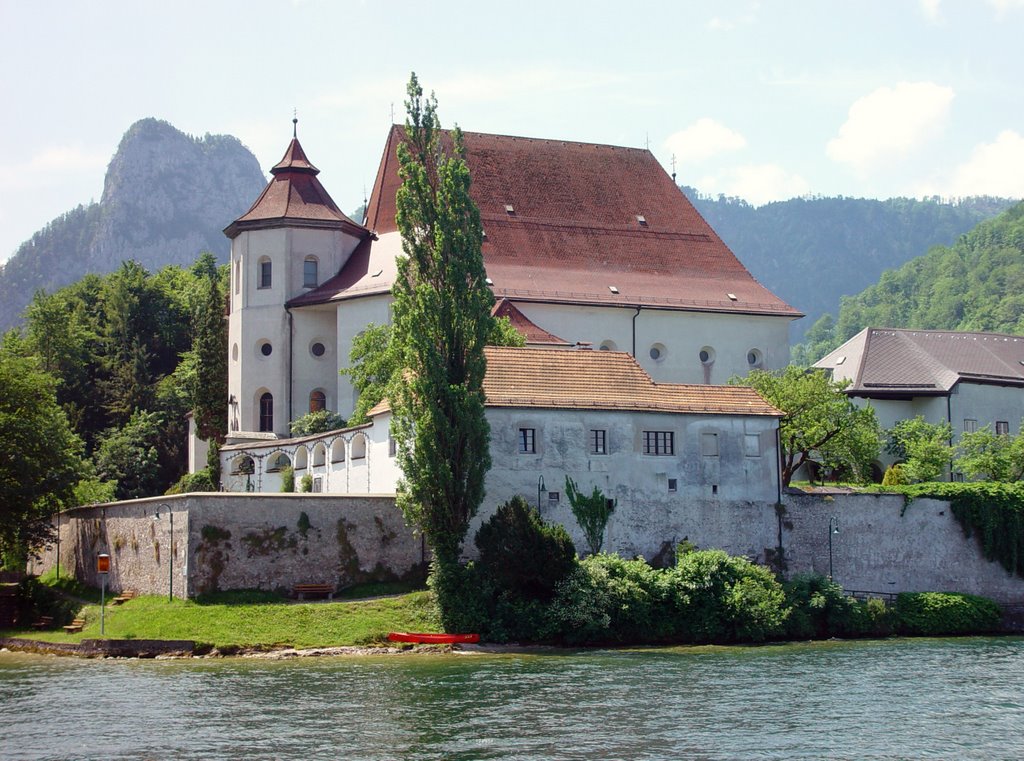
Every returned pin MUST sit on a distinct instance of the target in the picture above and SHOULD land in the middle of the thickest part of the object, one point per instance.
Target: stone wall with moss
(240, 541)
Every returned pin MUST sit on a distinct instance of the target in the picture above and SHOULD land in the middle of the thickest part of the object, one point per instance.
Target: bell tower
(292, 239)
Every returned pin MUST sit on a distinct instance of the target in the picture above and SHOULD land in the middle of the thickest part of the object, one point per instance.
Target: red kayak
(433, 639)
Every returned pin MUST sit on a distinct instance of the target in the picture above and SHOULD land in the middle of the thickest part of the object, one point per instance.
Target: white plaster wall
(309, 372)
(987, 404)
(680, 335)
(353, 316)
(647, 515)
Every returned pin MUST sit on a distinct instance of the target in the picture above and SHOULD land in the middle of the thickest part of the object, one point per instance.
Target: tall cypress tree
(442, 317)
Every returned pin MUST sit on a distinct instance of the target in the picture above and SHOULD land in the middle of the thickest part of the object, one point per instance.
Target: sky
(761, 100)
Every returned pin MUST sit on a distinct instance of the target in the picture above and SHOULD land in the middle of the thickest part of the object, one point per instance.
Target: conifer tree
(442, 317)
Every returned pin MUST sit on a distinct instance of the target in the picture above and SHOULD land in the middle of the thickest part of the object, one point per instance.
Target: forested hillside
(975, 284)
(166, 198)
(812, 251)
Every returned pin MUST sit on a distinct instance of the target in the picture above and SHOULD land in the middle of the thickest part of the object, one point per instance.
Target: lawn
(255, 619)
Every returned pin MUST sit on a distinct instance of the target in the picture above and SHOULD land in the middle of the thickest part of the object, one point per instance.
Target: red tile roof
(563, 224)
(522, 323)
(294, 197)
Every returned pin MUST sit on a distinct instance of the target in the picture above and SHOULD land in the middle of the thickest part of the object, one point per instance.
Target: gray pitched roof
(890, 361)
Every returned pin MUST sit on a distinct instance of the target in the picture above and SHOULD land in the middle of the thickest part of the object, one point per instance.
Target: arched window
(267, 412)
(338, 450)
(359, 447)
(265, 275)
(309, 272)
(317, 401)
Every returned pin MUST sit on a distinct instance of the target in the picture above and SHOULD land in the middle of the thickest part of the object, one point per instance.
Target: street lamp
(540, 488)
(103, 569)
(833, 528)
(170, 551)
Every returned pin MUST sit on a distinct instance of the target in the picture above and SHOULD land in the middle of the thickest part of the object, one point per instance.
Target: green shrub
(818, 608)
(201, 480)
(306, 483)
(871, 618)
(287, 479)
(522, 554)
(463, 597)
(939, 613)
(731, 599)
(894, 476)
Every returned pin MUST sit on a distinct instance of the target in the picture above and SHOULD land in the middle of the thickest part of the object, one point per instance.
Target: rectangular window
(659, 442)
(392, 446)
(598, 442)
(752, 445)
(970, 426)
(266, 274)
(527, 443)
(309, 274)
(552, 496)
(673, 485)
(709, 444)
(1002, 428)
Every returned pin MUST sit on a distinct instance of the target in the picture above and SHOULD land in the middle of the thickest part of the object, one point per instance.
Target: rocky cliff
(166, 198)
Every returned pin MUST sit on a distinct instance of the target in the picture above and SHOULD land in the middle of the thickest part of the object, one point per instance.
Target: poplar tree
(442, 317)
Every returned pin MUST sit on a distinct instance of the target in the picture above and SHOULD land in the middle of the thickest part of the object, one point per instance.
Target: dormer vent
(641, 220)
(613, 289)
(488, 281)
(732, 296)
(510, 209)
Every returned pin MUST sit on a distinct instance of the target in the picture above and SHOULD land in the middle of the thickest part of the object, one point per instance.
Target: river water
(890, 699)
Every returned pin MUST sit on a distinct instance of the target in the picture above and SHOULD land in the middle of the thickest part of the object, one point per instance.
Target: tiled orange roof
(583, 379)
(566, 222)
(296, 197)
(522, 323)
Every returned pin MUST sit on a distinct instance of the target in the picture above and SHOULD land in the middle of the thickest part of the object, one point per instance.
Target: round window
(707, 355)
(658, 352)
(607, 346)
(317, 349)
(753, 358)
(234, 352)
(266, 349)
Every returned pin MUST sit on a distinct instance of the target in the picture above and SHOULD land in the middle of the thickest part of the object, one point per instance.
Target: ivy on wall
(991, 511)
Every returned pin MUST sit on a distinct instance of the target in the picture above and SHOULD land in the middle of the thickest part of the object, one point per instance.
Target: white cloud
(1002, 6)
(40, 169)
(995, 169)
(702, 140)
(930, 9)
(890, 123)
(758, 184)
(747, 16)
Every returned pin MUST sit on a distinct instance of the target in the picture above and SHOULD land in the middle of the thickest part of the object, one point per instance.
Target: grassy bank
(245, 620)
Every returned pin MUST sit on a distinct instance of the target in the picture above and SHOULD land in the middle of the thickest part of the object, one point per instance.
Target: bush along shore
(707, 596)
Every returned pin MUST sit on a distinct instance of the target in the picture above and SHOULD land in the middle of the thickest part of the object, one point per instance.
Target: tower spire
(295, 122)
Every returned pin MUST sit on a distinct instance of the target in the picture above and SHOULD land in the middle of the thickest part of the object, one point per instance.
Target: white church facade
(592, 251)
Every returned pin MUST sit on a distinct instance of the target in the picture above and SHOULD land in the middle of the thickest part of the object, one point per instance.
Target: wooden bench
(44, 622)
(125, 596)
(75, 626)
(300, 591)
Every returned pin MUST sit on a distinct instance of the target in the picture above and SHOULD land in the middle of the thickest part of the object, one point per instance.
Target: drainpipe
(634, 329)
(291, 336)
(949, 419)
(778, 464)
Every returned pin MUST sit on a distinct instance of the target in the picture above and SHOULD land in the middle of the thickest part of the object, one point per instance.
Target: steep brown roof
(568, 222)
(296, 198)
(523, 377)
(523, 324)
(888, 361)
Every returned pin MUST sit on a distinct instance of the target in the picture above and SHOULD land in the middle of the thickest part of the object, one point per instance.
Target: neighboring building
(969, 380)
(661, 450)
(588, 244)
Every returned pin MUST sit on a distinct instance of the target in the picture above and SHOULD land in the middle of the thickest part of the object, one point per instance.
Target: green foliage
(821, 423)
(940, 613)
(994, 512)
(287, 479)
(306, 483)
(731, 599)
(894, 476)
(42, 458)
(442, 317)
(819, 609)
(522, 554)
(924, 448)
(983, 454)
(200, 481)
(977, 283)
(591, 512)
(128, 456)
(503, 333)
(320, 421)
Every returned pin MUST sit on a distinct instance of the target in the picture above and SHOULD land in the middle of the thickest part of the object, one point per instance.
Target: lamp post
(170, 552)
(833, 528)
(540, 488)
(58, 545)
